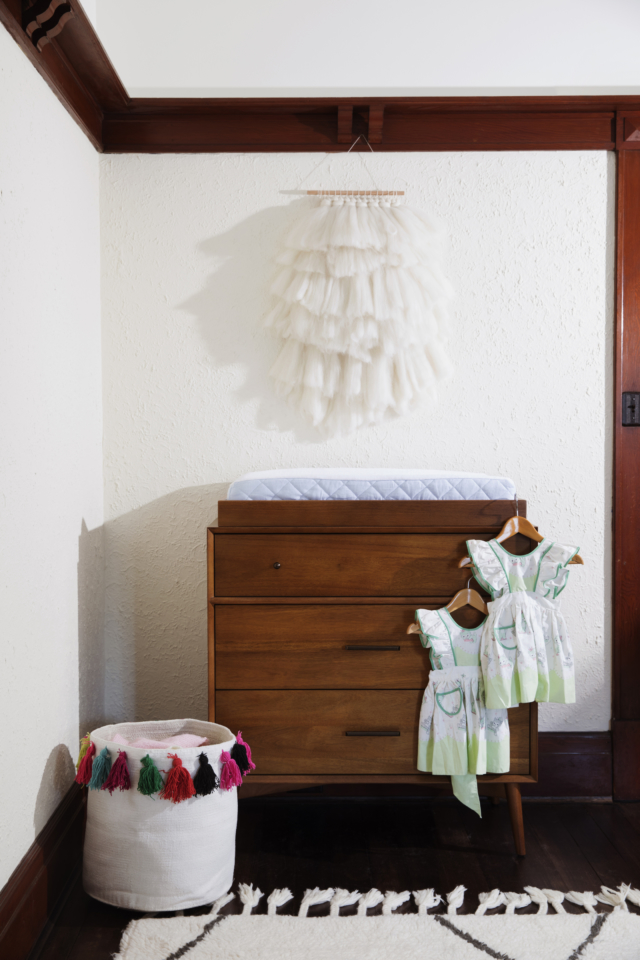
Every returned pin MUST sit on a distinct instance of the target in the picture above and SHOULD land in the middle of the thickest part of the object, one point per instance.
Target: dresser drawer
(339, 565)
(318, 647)
(305, 731)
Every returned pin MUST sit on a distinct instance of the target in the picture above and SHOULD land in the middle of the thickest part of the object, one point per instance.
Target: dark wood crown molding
(43, 20)
(72, 61)
(60, 41)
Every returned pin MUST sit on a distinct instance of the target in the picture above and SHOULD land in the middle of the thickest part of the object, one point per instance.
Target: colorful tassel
(150, 780)
(230, 775)
(100, 771)
(205, 780)
(243, 743)
(83, 775)
(84, 746)
(118, 778)
(241, 753)
(179, 785)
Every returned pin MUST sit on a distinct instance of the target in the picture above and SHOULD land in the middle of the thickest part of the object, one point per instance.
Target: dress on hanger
(525, 651)
(457, 735)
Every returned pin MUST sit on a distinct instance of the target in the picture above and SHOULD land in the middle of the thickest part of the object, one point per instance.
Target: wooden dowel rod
(355, 193)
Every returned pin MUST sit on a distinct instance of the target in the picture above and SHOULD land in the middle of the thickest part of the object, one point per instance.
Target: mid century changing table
(309, 602)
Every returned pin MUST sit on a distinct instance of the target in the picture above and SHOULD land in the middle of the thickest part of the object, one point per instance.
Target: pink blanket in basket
(180, 740)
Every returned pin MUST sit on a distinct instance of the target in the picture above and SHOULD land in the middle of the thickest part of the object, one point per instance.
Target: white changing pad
(341, 483)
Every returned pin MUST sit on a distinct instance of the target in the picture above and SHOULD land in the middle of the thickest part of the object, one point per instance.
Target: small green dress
(525, 651)
(458, 734)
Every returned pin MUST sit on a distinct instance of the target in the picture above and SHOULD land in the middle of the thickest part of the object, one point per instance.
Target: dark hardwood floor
(392, 844)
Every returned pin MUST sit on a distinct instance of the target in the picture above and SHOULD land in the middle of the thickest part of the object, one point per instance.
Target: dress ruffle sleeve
(487, 568)
(554, 574)
(434, 635)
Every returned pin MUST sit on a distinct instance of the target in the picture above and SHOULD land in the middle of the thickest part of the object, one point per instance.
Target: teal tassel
(150, 780)
(101, 770)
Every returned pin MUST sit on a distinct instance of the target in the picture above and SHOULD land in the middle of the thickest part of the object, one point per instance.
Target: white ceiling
(378, 47)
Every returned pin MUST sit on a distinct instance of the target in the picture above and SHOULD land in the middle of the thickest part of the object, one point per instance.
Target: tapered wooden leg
(514, 800)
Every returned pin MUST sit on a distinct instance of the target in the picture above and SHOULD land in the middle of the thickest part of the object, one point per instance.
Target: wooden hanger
(521, 525)
(463, 598)
(467, 598)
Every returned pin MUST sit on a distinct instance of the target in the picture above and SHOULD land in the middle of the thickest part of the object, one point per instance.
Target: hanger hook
(516, 503)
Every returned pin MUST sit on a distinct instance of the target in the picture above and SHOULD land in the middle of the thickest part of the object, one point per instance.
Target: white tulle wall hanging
(362, 310)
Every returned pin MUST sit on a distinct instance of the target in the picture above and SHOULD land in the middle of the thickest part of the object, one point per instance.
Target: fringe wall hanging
(362, 309)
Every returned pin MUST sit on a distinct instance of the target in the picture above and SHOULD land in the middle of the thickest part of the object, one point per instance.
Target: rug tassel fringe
(313, 897)
(537, 897)
(488, 901)
(249, 897)
(342, 898)
(370, 899)
(555, 898)
(278, 898)
(220, 903)
(426, 900)
(585, 899)
(393, 900)
(615, 898)
(515, 901)
(455, 899)
(633, 896)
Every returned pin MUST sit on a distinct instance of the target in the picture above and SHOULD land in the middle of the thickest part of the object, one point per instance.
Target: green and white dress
(525, 651)
(458, 735)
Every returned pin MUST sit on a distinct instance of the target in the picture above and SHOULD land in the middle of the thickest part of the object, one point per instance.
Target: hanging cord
(327, 155)
(313, 170)
(361, 158)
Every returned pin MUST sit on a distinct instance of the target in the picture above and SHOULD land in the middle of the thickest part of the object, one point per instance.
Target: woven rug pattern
(604, 929)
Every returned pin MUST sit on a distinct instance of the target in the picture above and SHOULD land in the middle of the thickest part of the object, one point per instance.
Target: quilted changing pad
(340, 483)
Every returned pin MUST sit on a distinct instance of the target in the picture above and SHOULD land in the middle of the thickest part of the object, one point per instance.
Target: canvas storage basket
(146, 853)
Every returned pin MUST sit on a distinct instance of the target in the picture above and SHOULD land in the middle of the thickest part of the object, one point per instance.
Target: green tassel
(100, 771)
(150, 780)
(84, 746)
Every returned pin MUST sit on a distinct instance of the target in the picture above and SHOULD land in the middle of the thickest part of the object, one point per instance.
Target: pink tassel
(230, 775)
(118, 778)
(244, 744)
(86, 766)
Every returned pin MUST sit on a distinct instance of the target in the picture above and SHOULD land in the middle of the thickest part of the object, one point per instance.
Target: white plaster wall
(50, 449)
(187, 243)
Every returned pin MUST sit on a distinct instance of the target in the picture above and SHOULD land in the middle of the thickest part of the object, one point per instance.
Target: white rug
(613, 934)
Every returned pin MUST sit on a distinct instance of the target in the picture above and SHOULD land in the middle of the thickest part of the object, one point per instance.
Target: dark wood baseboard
(572, 765)
(42, 877)
(626, 764)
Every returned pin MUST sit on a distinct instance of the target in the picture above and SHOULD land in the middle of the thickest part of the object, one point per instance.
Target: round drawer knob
(276, 566)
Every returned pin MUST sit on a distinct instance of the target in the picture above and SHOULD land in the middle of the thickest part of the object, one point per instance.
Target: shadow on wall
(91, 660)
(57, 776)
(155, 639)
(231, 307)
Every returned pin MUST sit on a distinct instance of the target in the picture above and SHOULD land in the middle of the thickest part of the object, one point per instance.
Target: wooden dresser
(309, 602)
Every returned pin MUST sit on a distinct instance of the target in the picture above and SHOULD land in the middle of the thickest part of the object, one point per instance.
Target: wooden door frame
(64, 48)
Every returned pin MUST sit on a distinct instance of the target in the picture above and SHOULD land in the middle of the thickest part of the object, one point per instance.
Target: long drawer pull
(372, 733)
(370, 646)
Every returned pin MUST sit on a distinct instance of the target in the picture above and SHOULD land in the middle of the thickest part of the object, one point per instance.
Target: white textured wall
(187, 242)
(50, 449)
